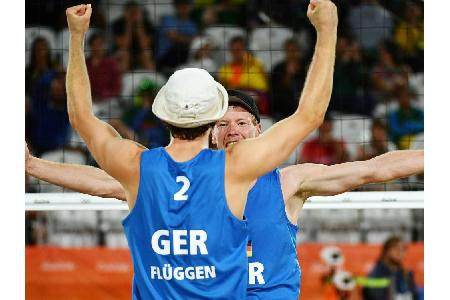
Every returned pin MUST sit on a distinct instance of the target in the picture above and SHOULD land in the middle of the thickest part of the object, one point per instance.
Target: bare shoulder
(292, 177)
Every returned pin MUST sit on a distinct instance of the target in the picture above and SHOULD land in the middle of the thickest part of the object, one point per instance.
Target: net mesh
(376, 106)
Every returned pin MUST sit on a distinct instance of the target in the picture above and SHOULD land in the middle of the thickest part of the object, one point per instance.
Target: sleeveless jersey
(274, 272)
(184, 241)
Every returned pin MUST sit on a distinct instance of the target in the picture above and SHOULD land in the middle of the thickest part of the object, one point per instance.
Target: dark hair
(32, 63)
(378, 123)
(189, 134)
(237, 38)
(291, 41)
(388, 244)
(131, 4)
(94, 36)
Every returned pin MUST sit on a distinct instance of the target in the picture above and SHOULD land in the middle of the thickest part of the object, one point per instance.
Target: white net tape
(350, 200)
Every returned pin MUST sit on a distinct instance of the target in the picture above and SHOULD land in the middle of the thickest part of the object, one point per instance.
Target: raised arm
(118, 157)
(252, 158)
(320, 180)
(79, 178)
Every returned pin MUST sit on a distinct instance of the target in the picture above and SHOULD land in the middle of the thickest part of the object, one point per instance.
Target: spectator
(40, 63)
(287, 80)
(139, 122)
(398, 282)
(133, 38)
(175, 36)
(349, 80)
(324, 149)
(49, 122)
(379, 142)
(370, 23)
(409, 35)
(245, 72)
(200, 55)
(405, 122)
(227, 12)
(387, 73)
(104, 73)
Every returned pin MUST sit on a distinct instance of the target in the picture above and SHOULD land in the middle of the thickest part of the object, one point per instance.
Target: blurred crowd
(388, 278)
(258, 46)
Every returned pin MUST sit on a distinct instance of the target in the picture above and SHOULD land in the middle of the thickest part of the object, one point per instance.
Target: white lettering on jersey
(179, 239)
(197, 242)
(156, 237)
(255, 273)
(168, 272)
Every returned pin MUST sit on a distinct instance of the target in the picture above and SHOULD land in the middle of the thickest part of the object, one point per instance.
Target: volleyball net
(349, 200)
(378, 76)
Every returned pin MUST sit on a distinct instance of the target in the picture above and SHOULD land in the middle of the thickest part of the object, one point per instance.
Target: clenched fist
(78, 18)
(323, 15)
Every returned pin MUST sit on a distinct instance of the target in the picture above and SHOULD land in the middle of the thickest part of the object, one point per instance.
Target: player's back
(184, 240)
(274, 272)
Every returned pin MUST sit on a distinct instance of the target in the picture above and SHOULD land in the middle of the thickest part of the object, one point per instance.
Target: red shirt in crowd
(105, 79)
(327, 153)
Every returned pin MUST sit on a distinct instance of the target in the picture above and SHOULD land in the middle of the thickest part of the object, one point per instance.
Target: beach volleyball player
(186, 230)
(274, 202)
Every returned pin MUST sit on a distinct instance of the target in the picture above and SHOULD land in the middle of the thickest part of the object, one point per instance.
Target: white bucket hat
(191, 98)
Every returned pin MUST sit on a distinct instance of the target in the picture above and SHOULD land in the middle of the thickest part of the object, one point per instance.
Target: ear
(258, 128)
(213, 136)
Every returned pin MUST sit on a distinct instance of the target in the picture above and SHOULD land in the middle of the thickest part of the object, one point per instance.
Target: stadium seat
(62, 43)
(131, 80)
(267, 43)
(339, 236)
(380, 236)
(113, 11)
(416, 84)
(116, 240)
(31, 33)
(221, 36)
(354, 130)
(157, 10)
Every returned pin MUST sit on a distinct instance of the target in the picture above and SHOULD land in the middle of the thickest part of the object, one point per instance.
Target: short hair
(378, 123)
(131, 4)
(94, 36)
(188, 134)
(290, 41)
(237, 38)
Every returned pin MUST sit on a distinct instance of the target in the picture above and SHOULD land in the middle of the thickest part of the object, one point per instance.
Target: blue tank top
(274, 272)
(184, 241)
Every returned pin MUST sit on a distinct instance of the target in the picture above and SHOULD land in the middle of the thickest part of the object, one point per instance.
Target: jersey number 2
(180, 195)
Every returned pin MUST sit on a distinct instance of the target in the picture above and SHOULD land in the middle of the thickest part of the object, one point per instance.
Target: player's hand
(323, 15)
(78, 18)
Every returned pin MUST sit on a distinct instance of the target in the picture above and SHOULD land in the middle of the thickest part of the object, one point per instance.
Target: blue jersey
(184, 241)
(274, 272)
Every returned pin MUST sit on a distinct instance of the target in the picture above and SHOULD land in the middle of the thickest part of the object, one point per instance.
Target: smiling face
(236, 125)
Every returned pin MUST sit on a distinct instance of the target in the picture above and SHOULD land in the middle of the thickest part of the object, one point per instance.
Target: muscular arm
(118, 157)
(252, 158)
(320, 180)
(257, 156)
(299, 182)
(79, 178)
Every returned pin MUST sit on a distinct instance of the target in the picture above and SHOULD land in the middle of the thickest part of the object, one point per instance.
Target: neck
(183, 150)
